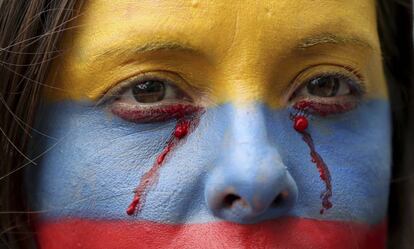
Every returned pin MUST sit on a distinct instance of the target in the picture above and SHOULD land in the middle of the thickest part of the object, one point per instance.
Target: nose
(249, 182)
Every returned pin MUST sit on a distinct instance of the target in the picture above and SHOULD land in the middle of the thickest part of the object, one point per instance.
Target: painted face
(215, 124)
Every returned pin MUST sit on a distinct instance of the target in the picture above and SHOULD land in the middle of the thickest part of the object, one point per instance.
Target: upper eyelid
(358, 84)
(360, 89)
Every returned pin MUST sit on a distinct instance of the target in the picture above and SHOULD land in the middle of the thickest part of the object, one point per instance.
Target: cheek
(93, 159)
(93, 163)
(355, 147)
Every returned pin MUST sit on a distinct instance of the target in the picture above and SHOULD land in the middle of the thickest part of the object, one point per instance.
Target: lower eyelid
(324, 108)
(154, 114)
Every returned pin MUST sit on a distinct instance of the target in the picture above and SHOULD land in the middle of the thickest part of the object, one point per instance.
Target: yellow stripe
(231, 51)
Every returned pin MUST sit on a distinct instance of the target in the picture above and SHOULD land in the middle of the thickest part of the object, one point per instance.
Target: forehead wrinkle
(331, 38)
(128, 52)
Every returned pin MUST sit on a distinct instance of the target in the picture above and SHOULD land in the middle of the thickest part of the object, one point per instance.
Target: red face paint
(159, 114)
(181, 130)
(300, 123)
(324, 109)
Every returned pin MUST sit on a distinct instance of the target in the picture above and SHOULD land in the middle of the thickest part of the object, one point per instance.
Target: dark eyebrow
(329, 38)
(128, 52)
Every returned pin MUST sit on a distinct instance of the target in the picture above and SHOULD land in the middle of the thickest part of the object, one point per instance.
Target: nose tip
(249, 208)
(255, 207)
(249, 181)
(243, 197)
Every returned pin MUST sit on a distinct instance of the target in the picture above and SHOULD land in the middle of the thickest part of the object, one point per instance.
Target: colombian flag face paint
(214, 124)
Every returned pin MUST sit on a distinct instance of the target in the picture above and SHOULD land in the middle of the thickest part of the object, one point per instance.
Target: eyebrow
(154, 46)
(329, 38)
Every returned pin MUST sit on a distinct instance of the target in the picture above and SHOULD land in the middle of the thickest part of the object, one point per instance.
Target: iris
(149, 91)
(326, 86)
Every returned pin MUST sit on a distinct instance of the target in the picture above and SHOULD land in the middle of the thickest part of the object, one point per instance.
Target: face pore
(214, 124)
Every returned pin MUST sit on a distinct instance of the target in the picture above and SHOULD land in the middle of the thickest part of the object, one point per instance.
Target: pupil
(327, 86)
(149, 91)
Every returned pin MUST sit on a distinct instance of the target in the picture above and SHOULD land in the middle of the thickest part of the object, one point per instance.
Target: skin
(241, 62)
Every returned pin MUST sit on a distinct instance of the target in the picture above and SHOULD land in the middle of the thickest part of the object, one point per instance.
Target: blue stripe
(97, 160)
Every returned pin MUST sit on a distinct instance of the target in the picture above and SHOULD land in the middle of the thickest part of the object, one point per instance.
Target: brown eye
(327, 86)
(149, 91)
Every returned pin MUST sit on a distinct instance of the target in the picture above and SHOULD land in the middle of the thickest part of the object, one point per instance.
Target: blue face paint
(300, 124)
(243, 164)
(183, 127)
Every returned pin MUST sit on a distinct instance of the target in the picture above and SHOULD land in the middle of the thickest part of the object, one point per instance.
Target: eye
(150, 92)
(147, 91)
(150, 98)
(327, 93)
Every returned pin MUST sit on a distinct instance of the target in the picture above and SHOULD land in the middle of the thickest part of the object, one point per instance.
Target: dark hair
(30, 33)
(395, 27)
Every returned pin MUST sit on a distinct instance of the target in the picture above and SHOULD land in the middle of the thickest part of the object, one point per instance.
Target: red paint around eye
(324, 109)
(300, 124)
(181, 130)
(159, 114)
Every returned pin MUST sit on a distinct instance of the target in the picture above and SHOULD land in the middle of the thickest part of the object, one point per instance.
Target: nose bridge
(249, 149)
(243, 75)
(248, 126)
(254, 161)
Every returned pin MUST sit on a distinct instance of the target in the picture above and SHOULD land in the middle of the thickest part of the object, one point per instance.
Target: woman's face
(215, 124)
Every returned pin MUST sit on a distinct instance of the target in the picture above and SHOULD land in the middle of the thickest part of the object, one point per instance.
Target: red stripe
(285, 233)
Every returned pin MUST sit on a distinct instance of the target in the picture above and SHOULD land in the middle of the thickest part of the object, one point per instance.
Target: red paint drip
(181, 130)
(324, 173)
(300, 125)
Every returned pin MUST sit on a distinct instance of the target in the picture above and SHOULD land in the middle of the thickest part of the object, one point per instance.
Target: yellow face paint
(238, 51)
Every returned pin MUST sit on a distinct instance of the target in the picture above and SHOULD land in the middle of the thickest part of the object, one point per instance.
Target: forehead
(233, 34)
(222, 25)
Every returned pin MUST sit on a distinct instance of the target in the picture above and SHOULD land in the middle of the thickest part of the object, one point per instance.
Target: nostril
(280, 199)
(231, 199)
